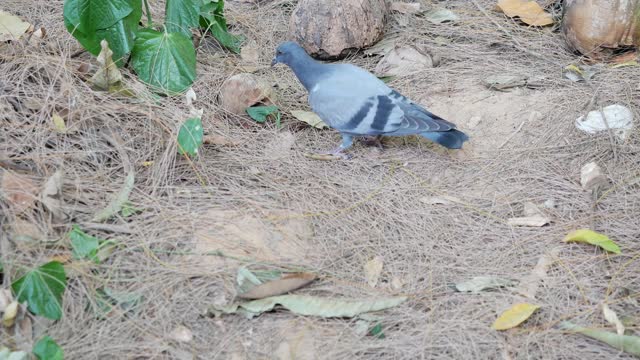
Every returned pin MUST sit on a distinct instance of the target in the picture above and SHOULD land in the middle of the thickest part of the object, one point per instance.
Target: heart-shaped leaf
(514, 316)
(47, 349)
(91, 15)
(42, 289)
(120, 35)
(182, 15)
(593, 238)
(190, 137)
(166, 61)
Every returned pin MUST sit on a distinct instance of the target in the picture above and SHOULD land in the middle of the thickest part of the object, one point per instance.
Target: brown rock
(597, 27)
(330, 29)
(244, 90)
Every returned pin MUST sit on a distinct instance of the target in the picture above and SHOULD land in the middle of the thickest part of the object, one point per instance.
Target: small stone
(591, 176)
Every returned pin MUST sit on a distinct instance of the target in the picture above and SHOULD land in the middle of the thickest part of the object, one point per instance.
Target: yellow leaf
(11, 27)
(10, 313)
(625, 64)
(310, 118)
(147, 163)
(58, 122)
(528, 11)
(593, 238)
(514, 316)
(574, 68)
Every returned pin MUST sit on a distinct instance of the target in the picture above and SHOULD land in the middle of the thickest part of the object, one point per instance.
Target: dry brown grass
(428, 247)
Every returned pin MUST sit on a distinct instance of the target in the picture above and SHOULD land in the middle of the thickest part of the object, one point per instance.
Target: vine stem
(148, 11)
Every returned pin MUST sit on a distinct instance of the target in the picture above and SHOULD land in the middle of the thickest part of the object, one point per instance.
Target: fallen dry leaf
(51, 195)
(530, 209)
(107, 77)
(405, 8)
(181, 333)
(219, 140)
(480, 283)
(12, 27)
(372, 270)
(439, 16)
(37, 36)
(10, 313)
(529, 284)
(592, 176)
(612, 318)
(190, 96)
(405, 60)
(528, 11)
(286, 283)
(18, 190)
(5, 299)
(23, 331)
(532, 221)
(396, 283)
(58, 123)
(24, 230)
(383, 46)
(310, 118)
(514, 316)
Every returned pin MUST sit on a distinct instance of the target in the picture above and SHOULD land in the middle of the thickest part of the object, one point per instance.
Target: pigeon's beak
(274, 61)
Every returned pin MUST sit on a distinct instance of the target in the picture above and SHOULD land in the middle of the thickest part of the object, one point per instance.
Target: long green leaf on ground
(312, 305)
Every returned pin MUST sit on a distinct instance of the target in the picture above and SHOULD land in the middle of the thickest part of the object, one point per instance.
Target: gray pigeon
(356, 103)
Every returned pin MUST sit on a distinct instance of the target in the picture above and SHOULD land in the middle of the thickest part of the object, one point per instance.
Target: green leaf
(84, 245)
(377, 331)
(120, 35)
(166, 61)
(91, 15)
(47, 349)
(190, 137)
(593, 238)
(310, 305)
(42, 289)
(182, 15)
(261, 113)
(212, 19)
(627, 343)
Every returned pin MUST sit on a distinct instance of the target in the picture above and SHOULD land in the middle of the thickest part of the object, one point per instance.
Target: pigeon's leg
(347, 141)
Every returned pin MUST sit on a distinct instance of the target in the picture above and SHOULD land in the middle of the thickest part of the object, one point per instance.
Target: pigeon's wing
(353, 101)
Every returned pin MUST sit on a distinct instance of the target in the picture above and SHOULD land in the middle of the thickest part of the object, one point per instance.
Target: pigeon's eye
(279, 52)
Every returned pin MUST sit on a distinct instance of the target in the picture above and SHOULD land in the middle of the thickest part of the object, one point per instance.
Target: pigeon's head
(287, 52)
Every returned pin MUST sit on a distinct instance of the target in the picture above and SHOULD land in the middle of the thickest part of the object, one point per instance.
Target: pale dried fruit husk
(405, 60)
(244, 90)
(331, 29)
(596, 28)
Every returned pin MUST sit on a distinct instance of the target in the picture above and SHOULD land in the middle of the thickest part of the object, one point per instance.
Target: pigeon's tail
(452, 139)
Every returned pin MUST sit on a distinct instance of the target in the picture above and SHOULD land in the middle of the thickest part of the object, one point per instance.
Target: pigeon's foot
(373, 141)
(338, 153)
